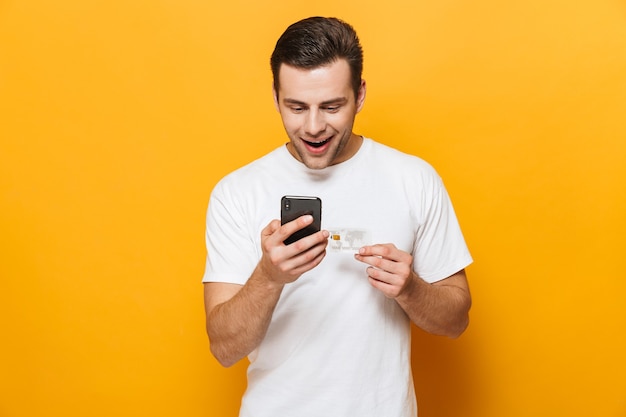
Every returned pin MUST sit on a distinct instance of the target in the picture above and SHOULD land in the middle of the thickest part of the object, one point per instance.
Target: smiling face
(318, 107)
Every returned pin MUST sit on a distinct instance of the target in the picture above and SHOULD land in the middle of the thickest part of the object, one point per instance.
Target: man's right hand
(238, 315)
(282, 264)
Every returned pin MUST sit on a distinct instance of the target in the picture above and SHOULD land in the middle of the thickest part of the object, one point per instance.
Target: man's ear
(360, 99)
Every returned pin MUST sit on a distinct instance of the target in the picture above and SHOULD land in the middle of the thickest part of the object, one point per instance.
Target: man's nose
(315, 123)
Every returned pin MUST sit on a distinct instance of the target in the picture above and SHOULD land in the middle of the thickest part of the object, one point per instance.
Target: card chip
(336, 237)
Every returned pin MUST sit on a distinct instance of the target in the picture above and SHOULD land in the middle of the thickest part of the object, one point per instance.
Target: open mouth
(317, 144)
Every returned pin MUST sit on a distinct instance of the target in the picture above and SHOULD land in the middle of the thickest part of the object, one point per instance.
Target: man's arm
(237, 317)
(440, 308)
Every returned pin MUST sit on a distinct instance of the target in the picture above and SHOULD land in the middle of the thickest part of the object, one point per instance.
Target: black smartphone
(292, 207)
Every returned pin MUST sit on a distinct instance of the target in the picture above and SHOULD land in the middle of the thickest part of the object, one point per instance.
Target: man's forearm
(440, 308)
(237, 326)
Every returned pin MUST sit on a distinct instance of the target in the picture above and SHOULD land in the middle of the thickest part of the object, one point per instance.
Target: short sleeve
(440, 249)
(231, 250)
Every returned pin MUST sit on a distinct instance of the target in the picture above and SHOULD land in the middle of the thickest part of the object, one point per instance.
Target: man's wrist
(265, 279)
(410, 289)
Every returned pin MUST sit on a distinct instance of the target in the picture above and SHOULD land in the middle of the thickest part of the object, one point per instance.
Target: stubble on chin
(332, 157)
(320, 162)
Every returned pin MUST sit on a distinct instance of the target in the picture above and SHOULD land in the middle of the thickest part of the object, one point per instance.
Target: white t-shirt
(336, 346)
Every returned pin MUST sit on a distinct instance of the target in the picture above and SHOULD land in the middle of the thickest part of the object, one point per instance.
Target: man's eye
(297, 109)
(332, 109)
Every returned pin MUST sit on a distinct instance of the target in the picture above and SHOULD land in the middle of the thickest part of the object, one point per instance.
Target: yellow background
(118, 117)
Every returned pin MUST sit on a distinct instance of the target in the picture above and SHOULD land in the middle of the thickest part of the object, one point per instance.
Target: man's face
(318, 108)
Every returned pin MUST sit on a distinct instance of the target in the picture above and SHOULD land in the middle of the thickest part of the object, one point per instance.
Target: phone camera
(287, 205)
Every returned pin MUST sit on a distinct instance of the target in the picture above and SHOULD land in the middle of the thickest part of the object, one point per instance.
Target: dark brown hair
(319, 41)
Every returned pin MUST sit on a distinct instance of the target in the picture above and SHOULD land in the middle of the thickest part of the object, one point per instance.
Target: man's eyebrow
(337, 100)
(293, 101)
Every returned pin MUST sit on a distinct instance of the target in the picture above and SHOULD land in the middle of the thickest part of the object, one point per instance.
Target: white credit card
(348, 240)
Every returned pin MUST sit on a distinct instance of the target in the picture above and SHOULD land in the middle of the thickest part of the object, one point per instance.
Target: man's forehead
(328, 82)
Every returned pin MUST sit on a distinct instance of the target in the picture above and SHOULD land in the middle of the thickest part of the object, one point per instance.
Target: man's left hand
(390, 270)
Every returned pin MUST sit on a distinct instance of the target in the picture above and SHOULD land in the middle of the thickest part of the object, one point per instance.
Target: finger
(390, 291)
(390, 284)
(377, 261)
(272, 227)
(380, 275)
(303, 261)
(317, 241)
(381, 264)
(386, 251)
(390, 267)
(309, 259)
(293, 226)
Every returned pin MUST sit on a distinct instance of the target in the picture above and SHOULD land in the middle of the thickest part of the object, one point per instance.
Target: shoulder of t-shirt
(247, 173)
(400, 160)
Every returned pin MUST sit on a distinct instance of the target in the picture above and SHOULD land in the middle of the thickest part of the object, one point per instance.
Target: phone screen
(292, 207)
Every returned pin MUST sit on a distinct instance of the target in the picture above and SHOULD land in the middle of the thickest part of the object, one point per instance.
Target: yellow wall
(118, 117)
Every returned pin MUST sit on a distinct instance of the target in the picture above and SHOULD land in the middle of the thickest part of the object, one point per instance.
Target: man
(327, 329)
